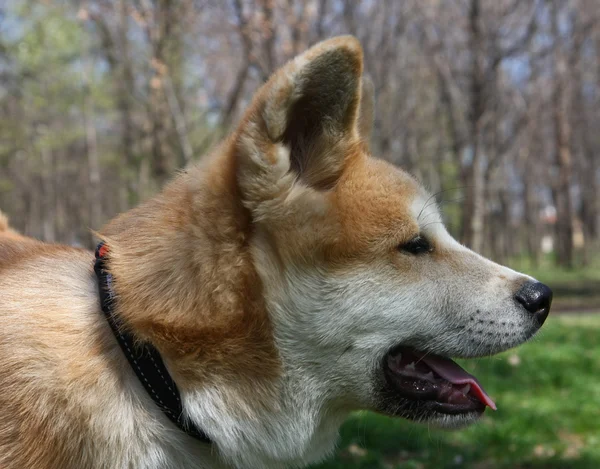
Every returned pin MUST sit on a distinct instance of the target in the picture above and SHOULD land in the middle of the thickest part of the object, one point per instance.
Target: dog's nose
(535, 298)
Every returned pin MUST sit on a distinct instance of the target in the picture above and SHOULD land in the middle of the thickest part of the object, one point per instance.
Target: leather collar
(143, 357)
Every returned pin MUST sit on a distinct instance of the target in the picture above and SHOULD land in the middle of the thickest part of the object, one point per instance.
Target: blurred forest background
(495, 105)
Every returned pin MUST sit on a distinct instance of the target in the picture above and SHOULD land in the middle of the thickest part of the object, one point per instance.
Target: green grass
(548, 398)
(547, 270)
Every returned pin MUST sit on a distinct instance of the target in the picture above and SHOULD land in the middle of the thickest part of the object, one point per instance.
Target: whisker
(423, 356)
(425, 205)
(458, 199)
(445, 201)
(432, 223)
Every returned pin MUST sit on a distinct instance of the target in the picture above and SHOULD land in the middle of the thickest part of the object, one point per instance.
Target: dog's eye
(417, 245)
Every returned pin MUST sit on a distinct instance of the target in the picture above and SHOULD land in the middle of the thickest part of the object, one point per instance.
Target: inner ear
(308, 142)
(310, 108)
(322, 119)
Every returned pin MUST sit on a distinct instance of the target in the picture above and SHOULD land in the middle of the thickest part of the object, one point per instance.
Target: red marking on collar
(103, 250)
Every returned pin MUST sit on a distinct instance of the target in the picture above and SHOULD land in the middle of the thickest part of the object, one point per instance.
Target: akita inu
(235, 319)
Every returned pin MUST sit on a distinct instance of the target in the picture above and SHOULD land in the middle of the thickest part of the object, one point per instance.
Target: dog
(288, 280)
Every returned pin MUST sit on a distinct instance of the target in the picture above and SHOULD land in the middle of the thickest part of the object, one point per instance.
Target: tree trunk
(588, 161)
(472, 174)
(563, 158)
(125, 84)
(48, 196)
(531, 213)
(163, 155)
(94, 200)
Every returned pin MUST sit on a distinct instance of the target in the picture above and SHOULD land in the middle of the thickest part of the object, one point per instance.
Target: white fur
(332, 331)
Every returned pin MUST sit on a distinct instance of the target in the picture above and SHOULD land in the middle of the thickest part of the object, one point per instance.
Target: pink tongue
(450, 371)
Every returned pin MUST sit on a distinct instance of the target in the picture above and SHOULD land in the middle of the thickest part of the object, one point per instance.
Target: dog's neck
(185, 280)
(293, 430)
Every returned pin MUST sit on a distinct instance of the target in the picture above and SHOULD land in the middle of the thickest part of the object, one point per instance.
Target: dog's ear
(303, 122)
(367, 109)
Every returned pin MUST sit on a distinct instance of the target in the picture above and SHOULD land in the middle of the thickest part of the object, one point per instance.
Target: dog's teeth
(466, 389)
(411, 366)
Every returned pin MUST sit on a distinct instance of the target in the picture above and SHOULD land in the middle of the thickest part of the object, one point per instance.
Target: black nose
(536, 298)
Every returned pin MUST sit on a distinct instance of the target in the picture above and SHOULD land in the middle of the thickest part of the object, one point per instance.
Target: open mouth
(439, 381)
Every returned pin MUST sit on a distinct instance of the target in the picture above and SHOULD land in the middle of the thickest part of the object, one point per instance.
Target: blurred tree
(493, 104)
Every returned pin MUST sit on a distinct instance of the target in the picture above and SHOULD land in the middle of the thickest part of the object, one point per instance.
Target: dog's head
(369, 295)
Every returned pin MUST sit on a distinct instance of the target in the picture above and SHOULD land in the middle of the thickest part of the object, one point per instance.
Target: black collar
(143, 358)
